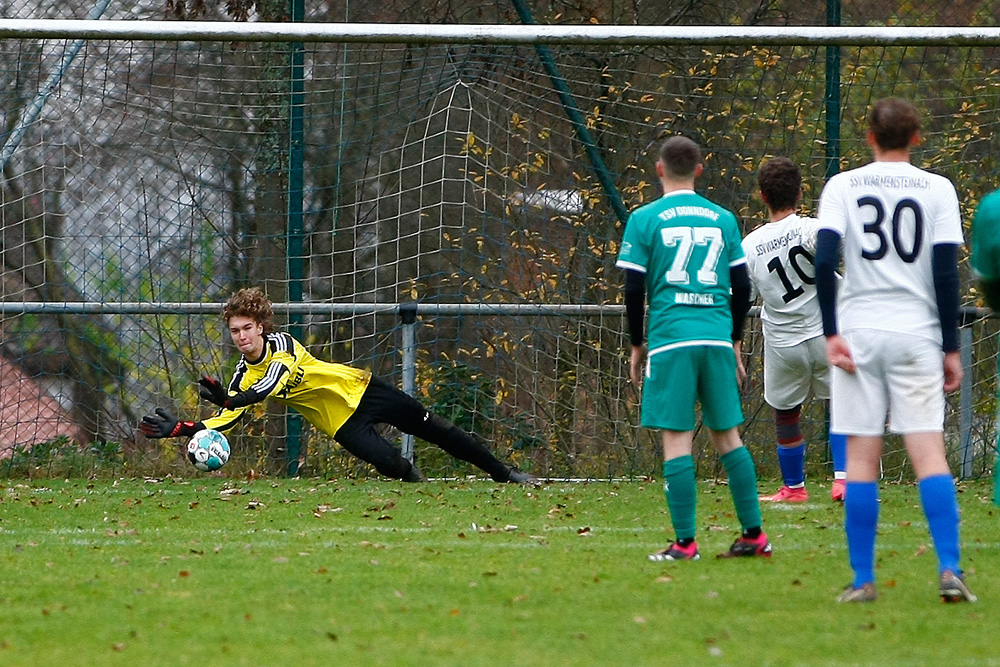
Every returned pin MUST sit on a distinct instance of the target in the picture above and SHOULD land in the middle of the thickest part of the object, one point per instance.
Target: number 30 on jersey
(905, 209)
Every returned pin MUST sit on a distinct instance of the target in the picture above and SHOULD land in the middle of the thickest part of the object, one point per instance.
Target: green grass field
(311, 572)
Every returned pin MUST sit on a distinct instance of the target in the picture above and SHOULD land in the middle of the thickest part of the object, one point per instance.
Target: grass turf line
(307, 572)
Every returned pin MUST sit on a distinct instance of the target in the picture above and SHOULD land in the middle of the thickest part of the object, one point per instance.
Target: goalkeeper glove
(213, 391)
(165, 425)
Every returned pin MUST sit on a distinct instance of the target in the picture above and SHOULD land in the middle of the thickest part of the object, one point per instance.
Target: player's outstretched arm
(165, 425)
(213, 392)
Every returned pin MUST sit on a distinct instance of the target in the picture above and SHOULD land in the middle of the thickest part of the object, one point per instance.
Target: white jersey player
(780, 262)
(893, 336)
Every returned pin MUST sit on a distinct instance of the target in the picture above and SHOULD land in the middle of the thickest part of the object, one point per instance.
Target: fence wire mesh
(165, 172)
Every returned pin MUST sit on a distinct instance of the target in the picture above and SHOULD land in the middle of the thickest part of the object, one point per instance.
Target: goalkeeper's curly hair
(253, 303)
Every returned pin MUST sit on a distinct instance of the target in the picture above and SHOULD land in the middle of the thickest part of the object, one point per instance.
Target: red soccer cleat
(746, 547)
(677, 552)
(788, 495)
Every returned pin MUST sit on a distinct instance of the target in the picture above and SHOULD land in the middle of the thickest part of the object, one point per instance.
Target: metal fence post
(408, 314)
(965, 399)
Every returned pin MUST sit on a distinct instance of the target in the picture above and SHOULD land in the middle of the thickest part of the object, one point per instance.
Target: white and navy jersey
(780, 262)
(889, 216)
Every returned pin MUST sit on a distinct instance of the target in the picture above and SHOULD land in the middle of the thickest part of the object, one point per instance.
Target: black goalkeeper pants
(383, 403)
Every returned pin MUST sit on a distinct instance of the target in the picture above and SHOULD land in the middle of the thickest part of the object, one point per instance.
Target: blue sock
(838, 450)
(937, 495)
(860, 524)
(792, 460)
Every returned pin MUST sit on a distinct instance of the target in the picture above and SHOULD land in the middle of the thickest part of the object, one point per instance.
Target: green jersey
(986, 237)
(685, 245)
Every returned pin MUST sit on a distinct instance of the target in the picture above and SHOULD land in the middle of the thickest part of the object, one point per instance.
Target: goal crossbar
(413, 33)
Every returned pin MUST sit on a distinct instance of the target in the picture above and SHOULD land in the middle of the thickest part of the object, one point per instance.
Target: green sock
(743, 486)
(679, 487)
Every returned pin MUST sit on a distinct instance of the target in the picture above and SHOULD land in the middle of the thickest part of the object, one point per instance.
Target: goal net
(144, 179)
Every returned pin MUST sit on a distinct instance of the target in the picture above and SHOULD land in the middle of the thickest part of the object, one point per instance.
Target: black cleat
(517, 477)
(414, 475)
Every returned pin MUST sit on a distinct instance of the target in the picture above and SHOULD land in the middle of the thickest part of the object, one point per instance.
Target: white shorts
(791, 372)
(899, 375)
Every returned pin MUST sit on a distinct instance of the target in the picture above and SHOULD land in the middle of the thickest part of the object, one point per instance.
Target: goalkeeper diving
(344, 402)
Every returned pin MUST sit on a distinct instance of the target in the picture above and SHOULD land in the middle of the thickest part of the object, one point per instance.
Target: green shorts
(678, 378)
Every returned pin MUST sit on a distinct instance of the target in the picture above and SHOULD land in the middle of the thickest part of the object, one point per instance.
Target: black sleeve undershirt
(739, 304)
(944, 269)
(827, 257)
(635, 304)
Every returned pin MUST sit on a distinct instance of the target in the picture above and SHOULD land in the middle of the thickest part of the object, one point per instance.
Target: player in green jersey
(986, 264)
(986, 248)
(683, 252)
(345, 403)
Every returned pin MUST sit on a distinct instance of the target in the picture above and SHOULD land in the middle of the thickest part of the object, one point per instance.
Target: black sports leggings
(383, 403)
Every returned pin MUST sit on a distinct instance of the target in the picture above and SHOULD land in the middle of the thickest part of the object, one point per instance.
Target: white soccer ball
(208, 450)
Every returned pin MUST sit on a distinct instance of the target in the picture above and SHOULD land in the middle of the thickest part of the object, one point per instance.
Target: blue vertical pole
(294, 253)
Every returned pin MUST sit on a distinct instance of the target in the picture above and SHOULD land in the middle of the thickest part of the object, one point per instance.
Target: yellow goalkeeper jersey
(324, 393)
